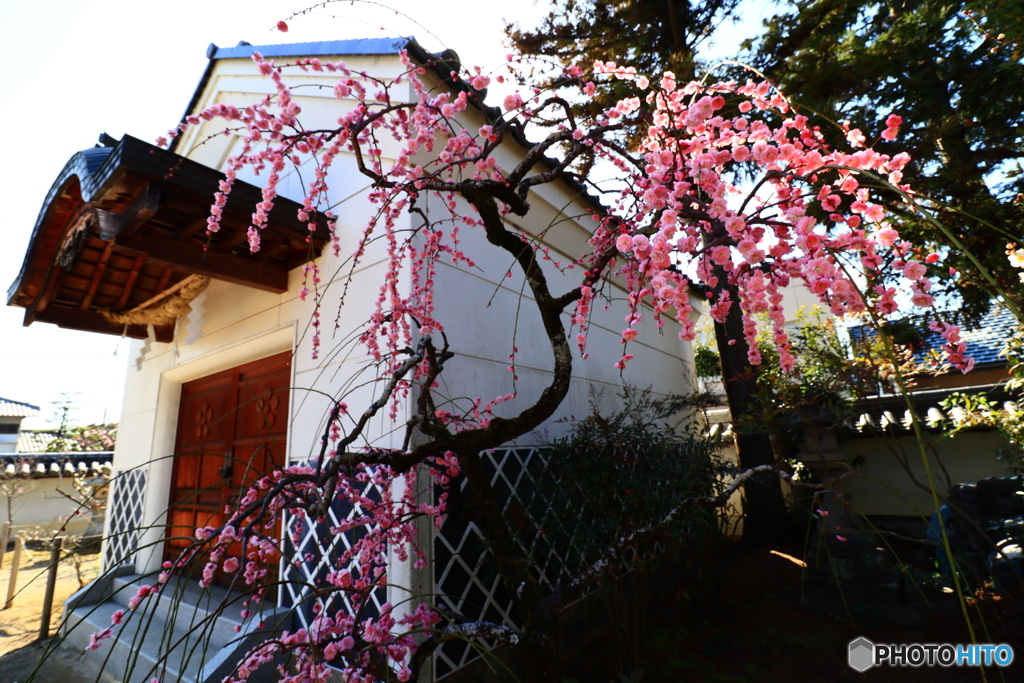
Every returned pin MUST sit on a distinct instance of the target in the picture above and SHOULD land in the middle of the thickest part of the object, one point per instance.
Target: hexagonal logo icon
(862, 654)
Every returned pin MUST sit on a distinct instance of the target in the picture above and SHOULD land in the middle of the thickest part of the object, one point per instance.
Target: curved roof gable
(125, 226)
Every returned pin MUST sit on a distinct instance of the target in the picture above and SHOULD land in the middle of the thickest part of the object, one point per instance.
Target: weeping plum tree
(674, 223)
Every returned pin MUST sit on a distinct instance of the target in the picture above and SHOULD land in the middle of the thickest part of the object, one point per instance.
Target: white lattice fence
(554, 532)
(466, 578)
(127, 496)
(312, 550)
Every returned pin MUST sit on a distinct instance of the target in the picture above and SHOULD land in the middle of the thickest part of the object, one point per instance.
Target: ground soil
(20, 647)
(742, 619)
(738, 619)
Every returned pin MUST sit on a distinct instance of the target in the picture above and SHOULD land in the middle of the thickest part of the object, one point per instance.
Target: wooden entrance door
(231, 431)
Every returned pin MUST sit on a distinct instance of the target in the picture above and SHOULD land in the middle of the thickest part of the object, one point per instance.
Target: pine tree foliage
(651, 35)
(959, 90)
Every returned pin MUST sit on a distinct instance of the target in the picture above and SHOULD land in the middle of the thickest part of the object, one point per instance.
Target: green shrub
(616, 473)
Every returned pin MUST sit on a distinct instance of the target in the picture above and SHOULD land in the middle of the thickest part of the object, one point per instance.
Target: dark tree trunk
(764, 510)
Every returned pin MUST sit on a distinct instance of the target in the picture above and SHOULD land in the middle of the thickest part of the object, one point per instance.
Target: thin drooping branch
(538, 153)
(550, 312)
(461, 631)
(326, 476)
(607, 564)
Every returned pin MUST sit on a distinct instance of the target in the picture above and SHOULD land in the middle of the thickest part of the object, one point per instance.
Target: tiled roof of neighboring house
(34, 442)
(985, 343)
(55, 464)
(889, 412)
(9, 408)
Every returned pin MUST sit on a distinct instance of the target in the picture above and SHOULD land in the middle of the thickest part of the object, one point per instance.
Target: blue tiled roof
(986, 342)
(355, 46)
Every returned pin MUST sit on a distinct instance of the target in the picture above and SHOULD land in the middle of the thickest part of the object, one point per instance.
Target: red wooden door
(232, 428)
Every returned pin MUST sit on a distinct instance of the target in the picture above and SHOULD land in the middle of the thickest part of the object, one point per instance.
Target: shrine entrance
(232, 429)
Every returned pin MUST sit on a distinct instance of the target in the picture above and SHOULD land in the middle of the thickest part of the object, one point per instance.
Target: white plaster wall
(237, 82)
(797, 298)
(241, 324)
(884, 487)
(39, 508)
(486, 314)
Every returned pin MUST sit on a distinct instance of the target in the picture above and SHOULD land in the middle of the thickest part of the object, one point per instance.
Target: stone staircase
(187, 634)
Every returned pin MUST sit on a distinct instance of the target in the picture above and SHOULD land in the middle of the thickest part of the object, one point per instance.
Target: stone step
(188, 606)
(198, 637)
(132, 653)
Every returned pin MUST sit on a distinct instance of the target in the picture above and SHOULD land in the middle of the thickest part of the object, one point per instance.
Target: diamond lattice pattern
(314, 552)
(466, 577)
(128, 493)
(551, 532)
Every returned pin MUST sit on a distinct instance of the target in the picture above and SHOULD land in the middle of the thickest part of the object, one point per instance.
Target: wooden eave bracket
(127, 233)
(132, 217)
(194, 258)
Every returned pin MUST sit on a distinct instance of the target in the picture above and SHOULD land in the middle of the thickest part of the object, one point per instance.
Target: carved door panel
(232, 428)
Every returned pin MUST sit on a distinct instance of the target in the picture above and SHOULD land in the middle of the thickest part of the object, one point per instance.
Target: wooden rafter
(191, 228)
(235, 238)
(164, 279)
(129, 285)
(46, 296)
(97, 275)
(272, 248)
(132, 226)
(163, 294)
(93, 321)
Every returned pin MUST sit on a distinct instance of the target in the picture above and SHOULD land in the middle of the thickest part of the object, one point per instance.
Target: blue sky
(76, 68)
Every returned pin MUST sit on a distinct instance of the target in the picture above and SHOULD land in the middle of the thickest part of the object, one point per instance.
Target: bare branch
(609, 561)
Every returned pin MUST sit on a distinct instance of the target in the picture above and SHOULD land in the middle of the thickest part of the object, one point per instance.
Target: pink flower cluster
(954, 348)
(382, 526)
(681, 222)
